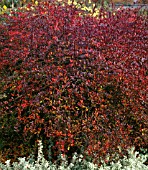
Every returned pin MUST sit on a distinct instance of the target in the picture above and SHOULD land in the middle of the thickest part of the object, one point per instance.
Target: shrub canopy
(77, 80)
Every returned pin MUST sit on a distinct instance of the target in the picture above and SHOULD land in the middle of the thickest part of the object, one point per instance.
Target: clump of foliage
(76, 82)
(133, 161)
(88, 7)
(15, 3)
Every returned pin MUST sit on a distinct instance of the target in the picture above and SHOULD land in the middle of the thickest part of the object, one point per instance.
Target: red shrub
(80, 80)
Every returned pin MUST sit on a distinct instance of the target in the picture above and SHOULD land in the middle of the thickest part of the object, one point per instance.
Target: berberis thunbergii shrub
(76, 81)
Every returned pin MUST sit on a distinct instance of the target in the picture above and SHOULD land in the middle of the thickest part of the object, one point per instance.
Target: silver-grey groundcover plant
(134, 161)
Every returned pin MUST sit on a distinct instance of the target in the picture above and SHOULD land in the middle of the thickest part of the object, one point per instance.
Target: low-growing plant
(133, 161)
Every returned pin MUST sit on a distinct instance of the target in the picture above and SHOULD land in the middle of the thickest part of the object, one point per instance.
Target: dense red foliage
(77, 79)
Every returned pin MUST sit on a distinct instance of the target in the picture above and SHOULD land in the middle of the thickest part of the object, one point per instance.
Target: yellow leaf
(86, 108)
(5, 7)
(36, 2)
